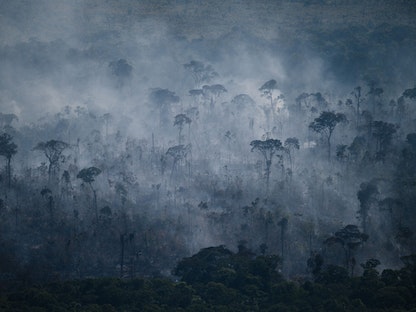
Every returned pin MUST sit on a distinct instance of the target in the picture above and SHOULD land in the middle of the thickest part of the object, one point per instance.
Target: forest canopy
(137, 135)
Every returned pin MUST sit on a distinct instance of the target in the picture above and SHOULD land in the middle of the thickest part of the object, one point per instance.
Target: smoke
(82, 72)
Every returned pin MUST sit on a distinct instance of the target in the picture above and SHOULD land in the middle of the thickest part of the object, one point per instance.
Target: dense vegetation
(216, 279)
(135, 133)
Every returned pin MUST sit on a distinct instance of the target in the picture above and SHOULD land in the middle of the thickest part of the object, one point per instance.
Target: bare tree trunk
(122, 255)
(268, 165)
(9, 172)
(95, 205)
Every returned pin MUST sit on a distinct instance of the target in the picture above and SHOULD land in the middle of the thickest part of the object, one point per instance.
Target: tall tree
(178, 153)
(88, 175)
(122, 71)
(163, 99)
(374, 94)
(53, 151)
(383, 133)
(358, 100)
(290, 145)
(350, 238)
(267, 90)
(200, 72)
(325, 125)
(367, 197)
(283, 227)
(267, 148)
(180, 121)
(7, 149)
(212, 93)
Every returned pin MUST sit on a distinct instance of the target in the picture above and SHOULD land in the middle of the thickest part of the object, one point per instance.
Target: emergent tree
(200, 72)
(268, 148)
(53, 151)
(163, 99)
(88, 175)
(349, 238)
(325, 125)
(180, 121)
(367, 195)
(290, 145)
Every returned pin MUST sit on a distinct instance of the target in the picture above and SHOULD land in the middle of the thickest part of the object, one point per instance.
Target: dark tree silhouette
(357, 148)
(53, 151)
(375, 94)
(283, 227)
(325, 125)
(411, 139)
(121, 70)
(242, 101)
(358, 100)
(180, 121)
(7, 149)
(410, 93)
(47, 194)
(341, 152)
(178, 154)
(267, 91)
(383, 133)
(162, 99)
(349, 238)
(290, 145)
(267, 148)
(212, 93)
(88, 175)
(315, 263)
(367, 197)
(200, 72)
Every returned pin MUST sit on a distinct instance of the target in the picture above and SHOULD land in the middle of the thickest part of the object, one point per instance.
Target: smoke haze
(108, 78)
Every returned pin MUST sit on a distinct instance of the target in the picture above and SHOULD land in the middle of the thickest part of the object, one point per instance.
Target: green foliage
(237, 271)
(333, 274)
(231, 282)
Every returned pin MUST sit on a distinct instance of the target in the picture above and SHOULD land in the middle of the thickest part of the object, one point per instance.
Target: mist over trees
(131, 143)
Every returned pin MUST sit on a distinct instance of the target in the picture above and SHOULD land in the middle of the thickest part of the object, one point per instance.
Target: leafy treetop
(88, 174)
(7, 147)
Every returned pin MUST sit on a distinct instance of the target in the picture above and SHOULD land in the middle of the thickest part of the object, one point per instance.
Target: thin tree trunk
(95, 205)
(282, 233)
(329, 146)
(268, 165)
(122, 255)
(9, 172)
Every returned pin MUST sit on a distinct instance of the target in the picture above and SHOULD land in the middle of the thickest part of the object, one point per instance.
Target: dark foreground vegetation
(216, 279)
